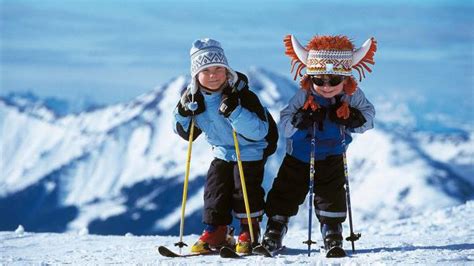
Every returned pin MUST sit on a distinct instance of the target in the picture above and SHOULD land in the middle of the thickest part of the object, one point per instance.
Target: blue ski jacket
(251, 125)
(329, 141)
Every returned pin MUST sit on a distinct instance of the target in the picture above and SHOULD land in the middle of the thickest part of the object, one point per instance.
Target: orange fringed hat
(333, 55)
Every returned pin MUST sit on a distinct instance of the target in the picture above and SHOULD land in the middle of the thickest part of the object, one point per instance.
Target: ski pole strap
(312, 171)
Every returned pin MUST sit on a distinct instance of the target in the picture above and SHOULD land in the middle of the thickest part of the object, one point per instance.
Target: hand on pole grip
(304, 119)
(191, 104)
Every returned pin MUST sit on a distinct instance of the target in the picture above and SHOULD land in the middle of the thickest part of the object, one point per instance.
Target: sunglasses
(332, 80)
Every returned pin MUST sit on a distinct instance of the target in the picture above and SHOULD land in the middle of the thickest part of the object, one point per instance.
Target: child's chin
(214, 87)
(328, 95)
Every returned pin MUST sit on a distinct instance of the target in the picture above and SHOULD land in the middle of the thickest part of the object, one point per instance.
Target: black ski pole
(353, 236)
(311, 192)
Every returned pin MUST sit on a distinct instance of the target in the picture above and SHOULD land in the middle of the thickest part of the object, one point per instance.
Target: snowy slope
(418, 240)
(48, 108)
(120, 168)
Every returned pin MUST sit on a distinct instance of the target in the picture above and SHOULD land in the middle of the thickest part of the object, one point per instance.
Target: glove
(355, 119)
(304, 119)
(188, 108)
(230, 95)
(229, 102)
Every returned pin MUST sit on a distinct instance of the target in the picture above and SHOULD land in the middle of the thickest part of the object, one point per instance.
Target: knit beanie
(208, 53)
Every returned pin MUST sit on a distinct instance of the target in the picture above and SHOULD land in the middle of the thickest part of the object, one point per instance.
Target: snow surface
(436, 237)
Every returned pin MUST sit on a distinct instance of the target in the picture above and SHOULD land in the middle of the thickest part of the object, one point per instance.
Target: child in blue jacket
(220, 101)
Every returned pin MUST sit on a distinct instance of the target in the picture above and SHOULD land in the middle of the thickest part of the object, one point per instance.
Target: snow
(386, 166)
(394, 112)
(437, 237)
(101, 210)
(24, 150)
(20, 230)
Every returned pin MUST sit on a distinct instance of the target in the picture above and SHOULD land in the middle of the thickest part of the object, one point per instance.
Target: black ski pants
(291, 186)
(223, 191)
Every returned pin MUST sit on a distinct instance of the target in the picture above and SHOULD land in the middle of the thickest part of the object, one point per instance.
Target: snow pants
(291, 186)
(223, 191)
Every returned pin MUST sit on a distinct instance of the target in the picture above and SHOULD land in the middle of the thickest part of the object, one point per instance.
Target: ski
(227, 252)
(261, 250)
(166, 252)
(335, 252)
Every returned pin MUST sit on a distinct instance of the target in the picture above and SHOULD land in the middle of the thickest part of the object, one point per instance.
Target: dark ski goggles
(333, 80)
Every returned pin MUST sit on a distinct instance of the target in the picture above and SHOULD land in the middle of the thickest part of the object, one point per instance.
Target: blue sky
(112, 51)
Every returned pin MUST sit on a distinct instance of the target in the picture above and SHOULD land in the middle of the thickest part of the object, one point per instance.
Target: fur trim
(295, 61)
(339, 43)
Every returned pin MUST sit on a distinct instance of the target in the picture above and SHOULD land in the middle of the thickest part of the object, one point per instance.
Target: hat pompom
(338, 42)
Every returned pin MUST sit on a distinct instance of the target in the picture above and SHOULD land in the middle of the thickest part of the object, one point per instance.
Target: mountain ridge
(108, 156)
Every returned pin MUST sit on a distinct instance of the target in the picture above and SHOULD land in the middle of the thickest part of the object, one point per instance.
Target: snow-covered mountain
(120, 168)
(48, 108)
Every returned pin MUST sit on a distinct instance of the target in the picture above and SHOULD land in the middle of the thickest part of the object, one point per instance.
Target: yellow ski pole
(244, 188)
(181, 244)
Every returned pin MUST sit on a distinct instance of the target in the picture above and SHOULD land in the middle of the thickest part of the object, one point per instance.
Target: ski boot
(277, 227)
(244, 245)
(332, 236)
(214, 237)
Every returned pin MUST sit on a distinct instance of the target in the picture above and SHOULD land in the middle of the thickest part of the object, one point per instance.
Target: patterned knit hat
(207, 53)
(333, 55)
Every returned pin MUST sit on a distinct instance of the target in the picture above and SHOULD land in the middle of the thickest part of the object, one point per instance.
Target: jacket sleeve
(182, 126)
(359, 101)
(286, 115)
(249, 118)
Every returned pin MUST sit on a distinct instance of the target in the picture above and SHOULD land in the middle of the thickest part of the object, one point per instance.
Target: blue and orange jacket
(329, 140)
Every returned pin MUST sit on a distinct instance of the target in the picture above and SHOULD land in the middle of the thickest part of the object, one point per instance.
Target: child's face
(328, 86)
(213, 77)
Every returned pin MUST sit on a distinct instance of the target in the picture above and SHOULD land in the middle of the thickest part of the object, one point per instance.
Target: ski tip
(164, 251)
(336, 252)
(262, 250)
(226, 252)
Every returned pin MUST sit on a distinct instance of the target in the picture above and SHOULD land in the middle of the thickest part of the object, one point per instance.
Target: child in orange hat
(330, 101)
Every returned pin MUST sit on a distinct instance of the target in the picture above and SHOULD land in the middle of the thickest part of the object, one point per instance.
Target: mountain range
(120, 168)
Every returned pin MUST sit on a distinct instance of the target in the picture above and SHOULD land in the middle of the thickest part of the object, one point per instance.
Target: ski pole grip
(192, 106)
